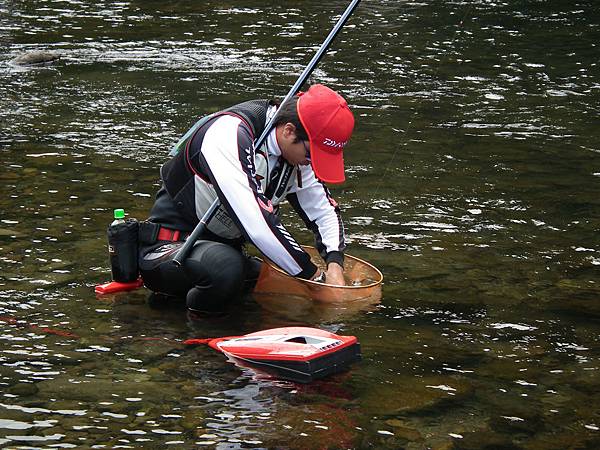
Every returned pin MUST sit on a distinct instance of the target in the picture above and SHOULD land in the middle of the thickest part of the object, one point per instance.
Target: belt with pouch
(150, 232)
(166, 234)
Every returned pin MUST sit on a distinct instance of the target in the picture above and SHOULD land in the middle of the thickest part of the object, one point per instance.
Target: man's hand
(335, 274)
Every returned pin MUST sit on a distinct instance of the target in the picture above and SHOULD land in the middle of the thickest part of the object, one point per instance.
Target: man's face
(293, 150)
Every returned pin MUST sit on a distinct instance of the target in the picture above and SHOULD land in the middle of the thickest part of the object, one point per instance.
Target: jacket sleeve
(313, 202)
(227, 156)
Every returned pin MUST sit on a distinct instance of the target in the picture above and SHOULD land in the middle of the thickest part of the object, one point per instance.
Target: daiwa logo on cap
(332, 143)
(329, 123)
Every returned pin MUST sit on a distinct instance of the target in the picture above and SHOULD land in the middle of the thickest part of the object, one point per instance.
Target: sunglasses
(307, 150)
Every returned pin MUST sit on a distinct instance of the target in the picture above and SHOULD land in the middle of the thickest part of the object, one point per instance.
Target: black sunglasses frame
(306, 149)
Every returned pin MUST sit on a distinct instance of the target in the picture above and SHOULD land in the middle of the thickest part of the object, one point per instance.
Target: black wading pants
(213, 274)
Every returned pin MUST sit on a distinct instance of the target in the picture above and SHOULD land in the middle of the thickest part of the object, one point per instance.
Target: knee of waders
(203, 299)
(217, 271)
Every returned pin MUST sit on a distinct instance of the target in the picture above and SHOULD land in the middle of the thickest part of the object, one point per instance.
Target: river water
(472, 183)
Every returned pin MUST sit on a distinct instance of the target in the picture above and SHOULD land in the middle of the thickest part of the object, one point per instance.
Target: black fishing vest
(178, 173)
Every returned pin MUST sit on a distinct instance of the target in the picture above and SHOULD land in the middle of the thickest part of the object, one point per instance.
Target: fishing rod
(184, 251)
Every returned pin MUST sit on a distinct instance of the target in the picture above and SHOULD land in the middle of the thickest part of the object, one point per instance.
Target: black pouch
(148, 233)
(123, 250)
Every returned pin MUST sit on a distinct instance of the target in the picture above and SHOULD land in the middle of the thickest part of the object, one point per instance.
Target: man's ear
(289, 129)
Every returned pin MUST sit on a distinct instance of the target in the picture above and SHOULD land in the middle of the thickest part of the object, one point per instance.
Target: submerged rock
(53, 280)
(404, 430)
(8, 233)
(57, 265)
(23, 389)
(423, 396)
(36, 58)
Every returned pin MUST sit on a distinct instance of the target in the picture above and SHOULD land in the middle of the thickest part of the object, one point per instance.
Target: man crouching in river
(303, 150)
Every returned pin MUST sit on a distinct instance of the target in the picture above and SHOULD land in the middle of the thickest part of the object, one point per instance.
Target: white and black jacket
(220, 160)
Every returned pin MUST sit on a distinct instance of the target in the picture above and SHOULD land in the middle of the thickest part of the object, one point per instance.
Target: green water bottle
(123, 248)
(119, 215)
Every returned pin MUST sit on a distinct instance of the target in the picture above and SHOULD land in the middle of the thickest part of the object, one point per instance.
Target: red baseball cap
(328, 121)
